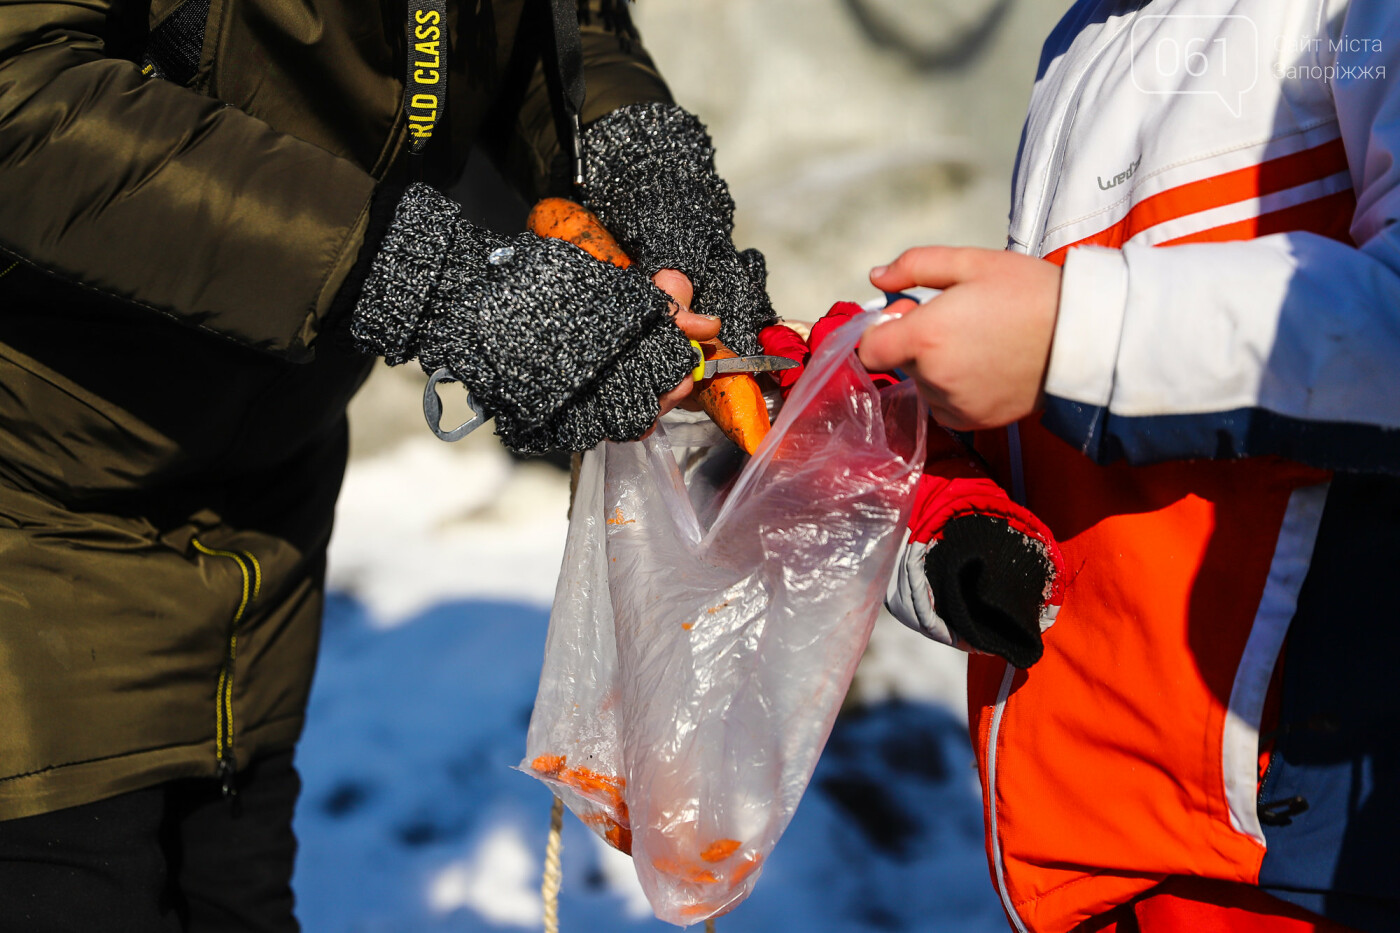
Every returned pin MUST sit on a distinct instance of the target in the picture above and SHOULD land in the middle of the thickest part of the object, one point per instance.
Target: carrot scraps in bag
(610, 819)
(700, 648)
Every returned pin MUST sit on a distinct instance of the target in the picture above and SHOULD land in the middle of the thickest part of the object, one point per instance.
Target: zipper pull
(226, 776)
(1281, 812)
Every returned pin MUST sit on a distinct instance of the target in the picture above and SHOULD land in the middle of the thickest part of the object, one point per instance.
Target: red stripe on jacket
(1253, 181)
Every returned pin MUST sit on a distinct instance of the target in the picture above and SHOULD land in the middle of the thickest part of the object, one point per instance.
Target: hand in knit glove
(562, 350)
(650, 177)
(978, 571)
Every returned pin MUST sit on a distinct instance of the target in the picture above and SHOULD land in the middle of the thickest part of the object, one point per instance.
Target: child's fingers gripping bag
(710, 614)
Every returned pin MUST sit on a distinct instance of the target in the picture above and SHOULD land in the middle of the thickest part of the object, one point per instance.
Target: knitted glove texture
(562, 350)
(651, 179)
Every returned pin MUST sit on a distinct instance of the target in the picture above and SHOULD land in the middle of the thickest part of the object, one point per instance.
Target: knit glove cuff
(651, 179)
(403, 274)
(562, 350)
(624, 404)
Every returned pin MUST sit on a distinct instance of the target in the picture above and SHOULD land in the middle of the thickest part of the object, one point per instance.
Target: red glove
(781, 340)
(979, 571)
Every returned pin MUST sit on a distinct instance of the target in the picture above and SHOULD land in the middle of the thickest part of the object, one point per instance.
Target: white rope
(553, 872)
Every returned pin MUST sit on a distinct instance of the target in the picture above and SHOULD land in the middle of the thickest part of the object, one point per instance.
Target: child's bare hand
(979, 350)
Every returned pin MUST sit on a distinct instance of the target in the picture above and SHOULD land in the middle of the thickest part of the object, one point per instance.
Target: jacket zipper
(1264, 781)
(1277, 812)
(1037, 239)
(227, 762)
(992, 733)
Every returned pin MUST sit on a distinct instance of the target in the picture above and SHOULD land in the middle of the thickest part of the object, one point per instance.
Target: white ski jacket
(1284, 340)
(1218, 460)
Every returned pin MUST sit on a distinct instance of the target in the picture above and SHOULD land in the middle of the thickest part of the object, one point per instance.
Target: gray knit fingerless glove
(562, 350)
(650, 177)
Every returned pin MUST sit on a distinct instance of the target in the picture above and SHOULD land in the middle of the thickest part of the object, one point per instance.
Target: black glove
(562, 350)
(979, 571)
(989, 582)
(650, 177)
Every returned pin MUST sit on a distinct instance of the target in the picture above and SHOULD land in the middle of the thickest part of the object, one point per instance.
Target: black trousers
(175, 858)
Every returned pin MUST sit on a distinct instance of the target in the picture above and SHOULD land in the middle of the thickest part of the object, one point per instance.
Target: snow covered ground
(413, 819)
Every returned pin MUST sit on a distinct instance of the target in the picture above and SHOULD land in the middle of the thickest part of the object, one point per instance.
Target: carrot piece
(720, 850)
(745, 868)
(686, 871)
(562, 219)
(617, 835)
(586, 780)
(620, 838)
(593, 783)
(548, 764)
(593, 786)
(734, 402)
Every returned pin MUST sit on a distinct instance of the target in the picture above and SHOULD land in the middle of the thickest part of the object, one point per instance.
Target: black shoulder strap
(567, 88)
(173, 48)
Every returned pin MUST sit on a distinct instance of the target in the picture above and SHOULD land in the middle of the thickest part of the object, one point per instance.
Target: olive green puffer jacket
(172, 383)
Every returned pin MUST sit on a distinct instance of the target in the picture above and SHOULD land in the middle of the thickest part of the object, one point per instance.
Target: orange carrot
(734, 402)
(617, 835)
(591, 783)
(695, 874)
(620, 838)
(745, 868)
(549, 764)
(562, 219)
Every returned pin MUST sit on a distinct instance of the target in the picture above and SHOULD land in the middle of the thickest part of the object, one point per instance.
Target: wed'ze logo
(1121, 177)
(425, 88)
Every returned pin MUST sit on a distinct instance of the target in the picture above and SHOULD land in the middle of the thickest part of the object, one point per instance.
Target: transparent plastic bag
(709, 616)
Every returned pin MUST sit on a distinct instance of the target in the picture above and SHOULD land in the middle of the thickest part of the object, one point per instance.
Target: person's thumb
(890, 345)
